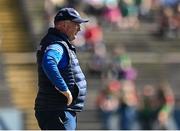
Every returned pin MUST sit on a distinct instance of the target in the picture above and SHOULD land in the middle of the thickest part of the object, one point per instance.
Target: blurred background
(129, 51)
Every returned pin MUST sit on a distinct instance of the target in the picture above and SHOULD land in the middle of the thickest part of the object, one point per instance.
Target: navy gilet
(48, 97)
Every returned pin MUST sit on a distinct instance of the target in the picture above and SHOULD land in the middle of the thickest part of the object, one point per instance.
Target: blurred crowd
(124, 14)
(122, 107)
(120, 104)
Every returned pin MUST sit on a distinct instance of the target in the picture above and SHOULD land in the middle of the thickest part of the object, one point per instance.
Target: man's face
(72, 28)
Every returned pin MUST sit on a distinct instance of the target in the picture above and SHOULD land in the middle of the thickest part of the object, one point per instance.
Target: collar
(61, 35)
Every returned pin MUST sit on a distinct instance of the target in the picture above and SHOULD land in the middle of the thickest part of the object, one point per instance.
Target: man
(62, 84)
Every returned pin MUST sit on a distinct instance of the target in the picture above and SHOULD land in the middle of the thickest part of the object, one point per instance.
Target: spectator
(165, 98)
(112, 14)
(168, 20)
(108, 103)
(169, 26)
(129, 12)
(94, 8)
(147, 108)
(128, 105)
(122, 65)
(93, 34)
(157, 108)
(98, 60)
(94, 44)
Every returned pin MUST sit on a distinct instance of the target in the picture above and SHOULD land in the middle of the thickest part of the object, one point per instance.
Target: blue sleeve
(51, 58)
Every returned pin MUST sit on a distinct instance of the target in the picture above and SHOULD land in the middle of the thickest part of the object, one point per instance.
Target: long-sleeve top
(55, 58)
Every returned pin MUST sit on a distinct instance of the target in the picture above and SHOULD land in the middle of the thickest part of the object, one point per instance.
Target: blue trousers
(127, 117)
(56, 120)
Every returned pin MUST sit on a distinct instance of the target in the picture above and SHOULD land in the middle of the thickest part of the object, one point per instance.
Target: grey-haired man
(62, 84)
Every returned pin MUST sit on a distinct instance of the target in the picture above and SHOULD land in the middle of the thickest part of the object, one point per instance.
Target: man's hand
(68, 96)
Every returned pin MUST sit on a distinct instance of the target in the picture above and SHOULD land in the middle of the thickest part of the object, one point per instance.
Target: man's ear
(60, 24)
(63, 23)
